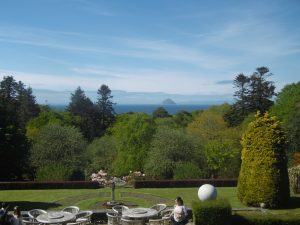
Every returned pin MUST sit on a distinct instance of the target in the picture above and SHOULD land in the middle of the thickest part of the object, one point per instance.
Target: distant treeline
(40, 143)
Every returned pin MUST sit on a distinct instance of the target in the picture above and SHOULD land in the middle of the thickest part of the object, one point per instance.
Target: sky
(190, 47)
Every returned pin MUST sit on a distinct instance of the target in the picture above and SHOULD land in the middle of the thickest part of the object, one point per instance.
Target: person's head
(17, 211)
(179, 201)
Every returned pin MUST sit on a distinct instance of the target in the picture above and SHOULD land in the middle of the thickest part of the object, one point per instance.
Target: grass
(95, 198)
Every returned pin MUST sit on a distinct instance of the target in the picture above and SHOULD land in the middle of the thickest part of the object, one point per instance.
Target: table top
(55, 217)
(137, 213)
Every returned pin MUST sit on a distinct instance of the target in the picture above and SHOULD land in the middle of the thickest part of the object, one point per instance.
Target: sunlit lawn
(95, 198)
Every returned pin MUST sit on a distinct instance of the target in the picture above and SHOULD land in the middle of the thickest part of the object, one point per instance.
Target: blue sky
(173, 46)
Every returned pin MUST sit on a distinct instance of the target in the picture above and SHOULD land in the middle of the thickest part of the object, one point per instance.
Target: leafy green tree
(254, 93)
(17, 106)
(167, 122)
(105, 107)
(27, 106)
(133, 134)
(169, 148)
(287, 109)
(263, 157)
(54, 171)
(182, 118)
(50, 117)
(188, 170)
(222, 158)
(82, 106)
(58, 144)
(101, 154)
(160, 112)
(221, 147)
(207, 126)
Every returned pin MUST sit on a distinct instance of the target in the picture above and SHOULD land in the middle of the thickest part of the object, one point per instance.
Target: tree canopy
(133, 134)
(59, 144)
(263, 157)
(82, 106)
(254, 93)
(17, 107)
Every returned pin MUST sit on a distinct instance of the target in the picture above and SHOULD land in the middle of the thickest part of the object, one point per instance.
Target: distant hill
(168, 101)
(123, 97)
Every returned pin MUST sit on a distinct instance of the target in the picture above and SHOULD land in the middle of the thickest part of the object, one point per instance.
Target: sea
(148, 109)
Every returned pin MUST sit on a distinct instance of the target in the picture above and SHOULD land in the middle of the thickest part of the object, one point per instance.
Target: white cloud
(132, 80)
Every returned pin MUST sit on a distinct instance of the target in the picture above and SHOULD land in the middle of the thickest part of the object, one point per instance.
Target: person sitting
(16, 219)
(4, 217)
(180, 214)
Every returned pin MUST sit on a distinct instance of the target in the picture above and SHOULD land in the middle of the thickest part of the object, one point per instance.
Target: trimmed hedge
(184, 183)
(263, 176)
(265, 219)
(49, 185)
(212, 212)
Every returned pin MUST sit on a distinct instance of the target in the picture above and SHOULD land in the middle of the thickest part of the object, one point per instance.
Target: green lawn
(95, 198)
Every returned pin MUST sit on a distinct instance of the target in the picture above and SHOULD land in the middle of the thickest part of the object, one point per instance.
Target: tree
(101, 154)
(133, 134)
(170, 150)
(221, 147)
(82, 106)
(19, 100)
(27, 106)
(207, 126)
(263, 157)
(160, 112)
(105, 107)
(287, 109)
(50, 117)
(261, 90)
(254, 93)
(17, 106)
(58, 144)
(182, 118)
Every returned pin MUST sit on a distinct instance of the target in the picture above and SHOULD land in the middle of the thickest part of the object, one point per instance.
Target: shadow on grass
(293, 203)
(26, 205)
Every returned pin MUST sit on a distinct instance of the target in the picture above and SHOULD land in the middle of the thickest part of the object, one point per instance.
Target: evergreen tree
(105, 107)
(160, 112)
(82, 106)
(17, 107)
(287, 109)
(254, 93)
(263, 176)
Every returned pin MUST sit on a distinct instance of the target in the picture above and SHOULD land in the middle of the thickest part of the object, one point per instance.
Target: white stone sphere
(207, 192)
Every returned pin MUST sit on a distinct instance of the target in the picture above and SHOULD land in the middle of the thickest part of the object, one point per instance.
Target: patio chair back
(167, 212)
(84, 216)
(119, 209)
(71, 209)
(132, 222)
(30, 221)
(113, 218)
(159, 208)
(162, 221)
(34, 213)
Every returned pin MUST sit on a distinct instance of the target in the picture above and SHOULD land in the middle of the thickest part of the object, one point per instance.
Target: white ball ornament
(207, 192)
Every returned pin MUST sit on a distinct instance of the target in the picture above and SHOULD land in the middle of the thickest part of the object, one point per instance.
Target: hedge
(184, 183)
(265, 219)
(49, 185)
(212, 212)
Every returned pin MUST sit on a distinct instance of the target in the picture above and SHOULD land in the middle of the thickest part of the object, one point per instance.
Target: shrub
(212, 212)
(53, 172)
(263, 176)
(188, 170)
(294, 176)
(265, 219)
(184, 183)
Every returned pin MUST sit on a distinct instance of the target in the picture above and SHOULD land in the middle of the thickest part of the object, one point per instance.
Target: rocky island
(168, 101)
